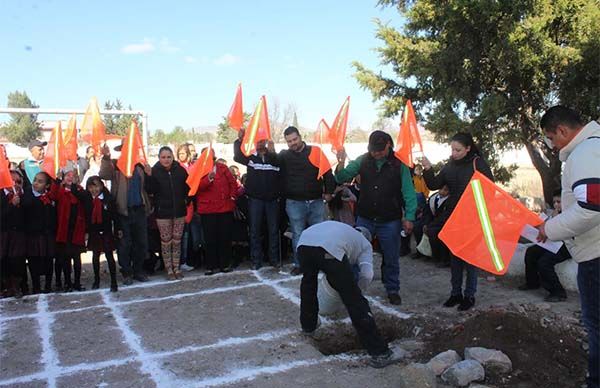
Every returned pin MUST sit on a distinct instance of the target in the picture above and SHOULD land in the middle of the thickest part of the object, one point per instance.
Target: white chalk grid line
(148, 361)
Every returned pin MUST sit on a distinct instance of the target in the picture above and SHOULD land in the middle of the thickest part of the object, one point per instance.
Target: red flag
(485, 226)
(55, 157)
(132, 151)
(409, 139)
(236, 113)
(200, 169)
(338, 128)
(70, 138)
(258, 128)
(318, 159)
(92, 127)
(6, 180)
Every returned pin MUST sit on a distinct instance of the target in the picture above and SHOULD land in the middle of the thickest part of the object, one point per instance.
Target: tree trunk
(548, 166)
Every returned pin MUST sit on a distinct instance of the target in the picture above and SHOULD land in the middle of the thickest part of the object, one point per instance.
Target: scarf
(97, 210)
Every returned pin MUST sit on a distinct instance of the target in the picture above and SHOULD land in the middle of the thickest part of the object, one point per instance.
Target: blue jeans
(303, 214)
(388, 235)
(588, 282)
(258, 211)
(457, 266)
(133, 246)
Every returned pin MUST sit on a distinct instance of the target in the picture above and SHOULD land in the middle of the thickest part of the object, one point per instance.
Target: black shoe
(527, 287)
(395, 299)
(416, 255)
(210, 272)
(385, 359)
(114, 287)
(443, 264)
(140, 278)
(553, 298)
(227, 270)
(453, 301)
(68, 288)
(78, 287)
(127, 280)
(96, 285)
(467, 303)
(47, 290)
(296, 271)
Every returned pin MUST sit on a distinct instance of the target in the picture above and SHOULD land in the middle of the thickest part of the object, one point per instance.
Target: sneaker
(553, 298)
(140, 278)
(186, 268)
(296, 271)
(527, 287)
(127, 280)
(385, 359)
(395, 299)
(453, 301)
(467, 303)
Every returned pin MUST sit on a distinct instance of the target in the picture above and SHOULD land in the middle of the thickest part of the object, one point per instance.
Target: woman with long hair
(464, 160)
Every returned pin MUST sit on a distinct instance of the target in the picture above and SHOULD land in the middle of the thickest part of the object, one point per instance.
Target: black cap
(36, 143)
(378, 141)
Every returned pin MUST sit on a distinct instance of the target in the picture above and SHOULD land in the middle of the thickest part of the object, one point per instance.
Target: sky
(180, 61)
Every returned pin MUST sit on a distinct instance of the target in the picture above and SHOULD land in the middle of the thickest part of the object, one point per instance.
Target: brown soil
(542, 355)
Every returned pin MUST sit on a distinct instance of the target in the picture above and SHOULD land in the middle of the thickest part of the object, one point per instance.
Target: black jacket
(12, 217)
(169, 189)
(109, 213)
(263, 180)
(381, 191)
(40, 218)
(456, 174)
(300, 176)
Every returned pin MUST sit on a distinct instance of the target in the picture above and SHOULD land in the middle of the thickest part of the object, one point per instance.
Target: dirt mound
(542, 355)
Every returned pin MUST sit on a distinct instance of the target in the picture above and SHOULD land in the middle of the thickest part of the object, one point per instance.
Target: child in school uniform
(40, 219)
(100, 216)
(13, 241)
(71, 228)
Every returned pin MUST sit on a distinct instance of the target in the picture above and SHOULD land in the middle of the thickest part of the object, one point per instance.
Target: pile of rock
(455, 371)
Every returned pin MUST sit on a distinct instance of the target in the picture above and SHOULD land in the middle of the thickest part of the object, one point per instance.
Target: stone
(463, 373)
(418, 375)
(494, 361)
(443, 361)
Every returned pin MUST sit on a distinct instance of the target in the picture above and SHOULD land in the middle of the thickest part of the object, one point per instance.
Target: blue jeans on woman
(457, 265)
(303, 214)
(388, 235)
(588, 282)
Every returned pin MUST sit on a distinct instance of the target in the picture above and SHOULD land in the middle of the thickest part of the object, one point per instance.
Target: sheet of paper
(531, 233)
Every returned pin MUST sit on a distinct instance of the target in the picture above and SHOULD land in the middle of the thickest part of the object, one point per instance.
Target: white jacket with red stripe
(579, 223)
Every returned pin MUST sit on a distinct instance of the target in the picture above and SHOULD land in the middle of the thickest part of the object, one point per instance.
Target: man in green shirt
(387, 203)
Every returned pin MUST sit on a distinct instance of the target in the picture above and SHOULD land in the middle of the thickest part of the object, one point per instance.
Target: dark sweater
(40, 217)
(300, 176)
(169, 189)
(263, 180)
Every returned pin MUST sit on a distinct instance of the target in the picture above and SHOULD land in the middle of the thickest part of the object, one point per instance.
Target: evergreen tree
(22, 127)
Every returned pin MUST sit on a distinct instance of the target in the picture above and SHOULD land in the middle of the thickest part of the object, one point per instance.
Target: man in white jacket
(579, 223)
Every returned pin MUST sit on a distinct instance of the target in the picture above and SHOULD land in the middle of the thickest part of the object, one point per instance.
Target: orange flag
(70, 138)
(55, 157)
(6, 180)
(132, 151)
(92, 127)
(258, 129)
(200, 169)
(337, 134)
(322, 133)
(236, 113)
(485, 226)
(409, 139)
(318, 159)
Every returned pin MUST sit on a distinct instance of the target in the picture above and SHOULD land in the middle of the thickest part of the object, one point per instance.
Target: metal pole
(146, 132)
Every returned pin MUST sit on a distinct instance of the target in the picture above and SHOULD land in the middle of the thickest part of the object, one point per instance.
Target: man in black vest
(387, 202)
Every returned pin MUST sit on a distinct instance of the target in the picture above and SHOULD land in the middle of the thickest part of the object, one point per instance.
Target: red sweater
(219, 195)
(64, 200)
